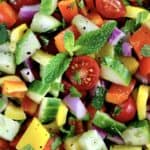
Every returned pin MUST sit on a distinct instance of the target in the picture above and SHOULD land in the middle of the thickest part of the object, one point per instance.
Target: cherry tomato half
(83, 72)
(110, 8)
(127, 111)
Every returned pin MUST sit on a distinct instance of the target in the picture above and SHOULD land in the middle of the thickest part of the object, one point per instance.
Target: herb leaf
(69, 41)
(27, 147)
(146, 50)
(94, 40)
(117, 110)
(56, 67)
(56, 143)
(4, 37)
(74, 92)
(99, 98)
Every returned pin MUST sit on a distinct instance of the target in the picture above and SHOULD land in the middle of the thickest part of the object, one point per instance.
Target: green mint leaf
(99, 98)
(56, 143)
(4, 37)
(74, 92)
(69, 41)
(141, 17)
(130, 26)
(56, 67)
(28, 147)
(68, 132)
(146, 51)
(118, 49)
(81, 4)
(117, 110)
(94, 40)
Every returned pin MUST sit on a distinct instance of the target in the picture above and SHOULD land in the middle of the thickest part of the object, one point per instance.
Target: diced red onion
(5, 100)
(126, 49)
(115, 139)
(76, 106)
(141, 78)
(100, 131)
(27, 74)
(116, 36)
(27, 12)
(148, 116)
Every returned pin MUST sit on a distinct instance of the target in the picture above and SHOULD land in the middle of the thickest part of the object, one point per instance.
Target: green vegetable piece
(146, 51)
(56, 143)
(99, 98)
(125, 147)
(138, 133)
(48, 109)
(105, 122)
(4, 34)
(26, 47)
(74, 92)
(7, 62)
(113, 70)
(43, 23)
(142, 16)
(92, 41)
(37, 90)
(47, 7)
(56, 67)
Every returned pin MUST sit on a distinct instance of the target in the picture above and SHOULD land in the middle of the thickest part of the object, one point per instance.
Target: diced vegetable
(35, 132)
(8, 128)
(36, 94)
(3, 103)
(43, 23)
(105, 122)
(91, 140)
(61, 115)
(113, 70)
(126, 49)
(14, 112)
(137, 134)
(125, 147)
(76, 106)
(26, 46)
(141, 102)
(7, 63)
(48, 109)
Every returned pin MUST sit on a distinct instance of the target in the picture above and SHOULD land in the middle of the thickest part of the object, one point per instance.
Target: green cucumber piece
(37, 90)
(125, 147)
(43, 23)
(8, 128)
(113, 70)
(137, 134)
(26, 47)
(105, 122)
(48, 109)
(90, 140)
(83, 24)
(47, 7)
(7, 62)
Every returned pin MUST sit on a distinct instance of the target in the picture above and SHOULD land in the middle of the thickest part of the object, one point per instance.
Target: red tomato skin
(128, 111)
(111, 8)
(87, 70)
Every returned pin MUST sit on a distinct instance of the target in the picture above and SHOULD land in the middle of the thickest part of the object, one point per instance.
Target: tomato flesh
(110, 8)
(127, 111)
(83, 72)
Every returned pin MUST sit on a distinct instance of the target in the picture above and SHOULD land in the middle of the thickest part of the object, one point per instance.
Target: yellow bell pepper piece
(131, 63)
(16, 35)
(35, 135)
(142, 98)
(61, 115)
(15, 113)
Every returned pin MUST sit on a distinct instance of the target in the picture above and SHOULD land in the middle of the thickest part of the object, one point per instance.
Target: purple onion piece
(141, 78)
(148, 116)
(115, 139)
(76, 106)
(27, 12)
(27, 74)
(116, 36)
(100, 131)
(126, 49)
